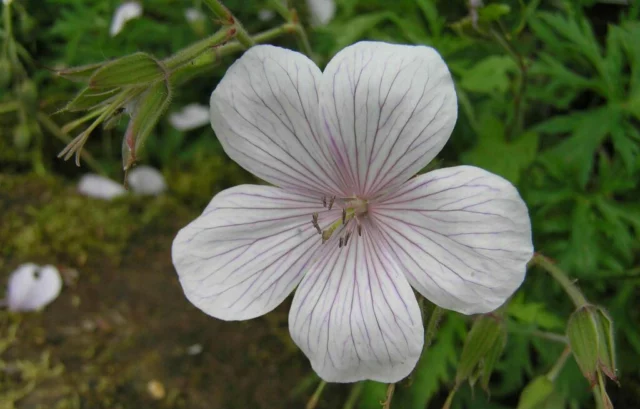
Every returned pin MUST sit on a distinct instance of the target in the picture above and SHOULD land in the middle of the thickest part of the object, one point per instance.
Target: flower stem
(223, 12)
(387, 402)
(356, 390)
(557, 367)
(195, 50)
(313, 402)
(561, 277)
(432, 326)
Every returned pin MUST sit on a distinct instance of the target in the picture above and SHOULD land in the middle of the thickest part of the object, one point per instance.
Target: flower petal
(100, 187)
(264, 112)
(322, 11)
(190, 117)
(32, 288)
(146, 180)
(125, 12)
(247, 251)
(462, 236)
(388, 110)
(355, 316)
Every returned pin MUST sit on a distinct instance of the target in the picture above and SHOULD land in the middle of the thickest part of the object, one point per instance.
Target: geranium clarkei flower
(346, 224)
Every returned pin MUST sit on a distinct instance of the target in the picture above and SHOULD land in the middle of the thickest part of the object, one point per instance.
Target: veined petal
(264, 112)
(355, 316)
(461, 234)
(32, 287)
(247, 251)
(387, 111)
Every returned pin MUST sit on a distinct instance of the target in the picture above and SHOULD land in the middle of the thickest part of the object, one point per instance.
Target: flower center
(353, 208)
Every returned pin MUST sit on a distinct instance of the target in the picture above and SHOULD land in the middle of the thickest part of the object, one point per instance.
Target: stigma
(354, 210)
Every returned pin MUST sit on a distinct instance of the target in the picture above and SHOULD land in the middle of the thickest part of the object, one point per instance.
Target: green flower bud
(590, 333)
(483, 346)
(5, 73)
(537, 394)
(133, 70)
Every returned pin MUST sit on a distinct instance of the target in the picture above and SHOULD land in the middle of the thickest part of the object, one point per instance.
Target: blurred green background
(549, 98)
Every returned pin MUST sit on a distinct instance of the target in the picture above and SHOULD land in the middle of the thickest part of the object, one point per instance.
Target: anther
(333, 199)
(340, 242)
(344, 215)
(346, 237)
(314, 221)
(359, 230)
(324, 201)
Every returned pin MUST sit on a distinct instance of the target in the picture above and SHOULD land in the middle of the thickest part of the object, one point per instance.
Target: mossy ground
(122, 323)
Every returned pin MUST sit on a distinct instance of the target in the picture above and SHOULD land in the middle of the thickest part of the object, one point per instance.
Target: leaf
(534, 313)
(494, 153)
(489, 75)
(354, 29)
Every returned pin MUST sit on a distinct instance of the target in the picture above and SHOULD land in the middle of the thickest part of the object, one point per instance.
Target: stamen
(326, 235)
(333, 199)
(324, 201)
(346, 237)
(344, 215)
(340, 243)
(314, 221)
(359, 229)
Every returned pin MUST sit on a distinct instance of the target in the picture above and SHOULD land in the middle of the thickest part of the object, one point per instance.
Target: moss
(45, 219)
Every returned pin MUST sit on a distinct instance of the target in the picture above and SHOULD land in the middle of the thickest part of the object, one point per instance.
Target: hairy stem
(561, 277)
(223, 12)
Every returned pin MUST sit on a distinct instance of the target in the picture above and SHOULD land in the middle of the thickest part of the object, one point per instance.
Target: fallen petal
(125, 12)
(100, 187)
(191, 116)
(32, 287)
(146, 180)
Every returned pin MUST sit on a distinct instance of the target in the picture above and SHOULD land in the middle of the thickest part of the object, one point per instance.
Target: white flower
(125, 12)
(321, 11)
(191, 116)
(146, 180)
(341, 146)
(100, 187)
(32, 287)
(193, 15)
(266, 14)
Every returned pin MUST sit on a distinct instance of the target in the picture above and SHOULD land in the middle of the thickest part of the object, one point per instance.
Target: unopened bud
(79, 74)
(133, 70)
(481, 350)
(590, 333)
(537, 394)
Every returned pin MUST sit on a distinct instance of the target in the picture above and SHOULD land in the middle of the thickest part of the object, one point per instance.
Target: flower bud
(133, 70)
(590, 333)
(79, 74)
(483, 346)
(537, 394)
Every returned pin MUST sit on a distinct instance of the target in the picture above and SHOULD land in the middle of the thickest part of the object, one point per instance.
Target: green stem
(355, 393)
(390, 389)
(8, 29)
(223, 12)
(561, 277)
(557, 367)
(195, 50)
(207, 60)
(452, 394)
(432, 326)
(313, 402)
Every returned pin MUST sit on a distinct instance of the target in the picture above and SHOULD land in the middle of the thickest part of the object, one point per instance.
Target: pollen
(354, 210)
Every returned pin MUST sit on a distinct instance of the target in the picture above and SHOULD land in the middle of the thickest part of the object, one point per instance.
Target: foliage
(549, 98)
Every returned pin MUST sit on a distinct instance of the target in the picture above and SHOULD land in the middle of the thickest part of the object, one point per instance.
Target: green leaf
(489, 76)
(486, 331)
(136, 69)
(494, 153)
(354, 29)
(534, 313)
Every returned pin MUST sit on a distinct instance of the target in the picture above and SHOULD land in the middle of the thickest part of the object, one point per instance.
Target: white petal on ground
(100, 187)
(462, 236)
(388, 109)
(355, 316)
(266, 14)
(248, 250)
(190, 117)
(146, 180)
(321, 11)
(265, 112)
(193, 15)
(32, 287)
(125, 12)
